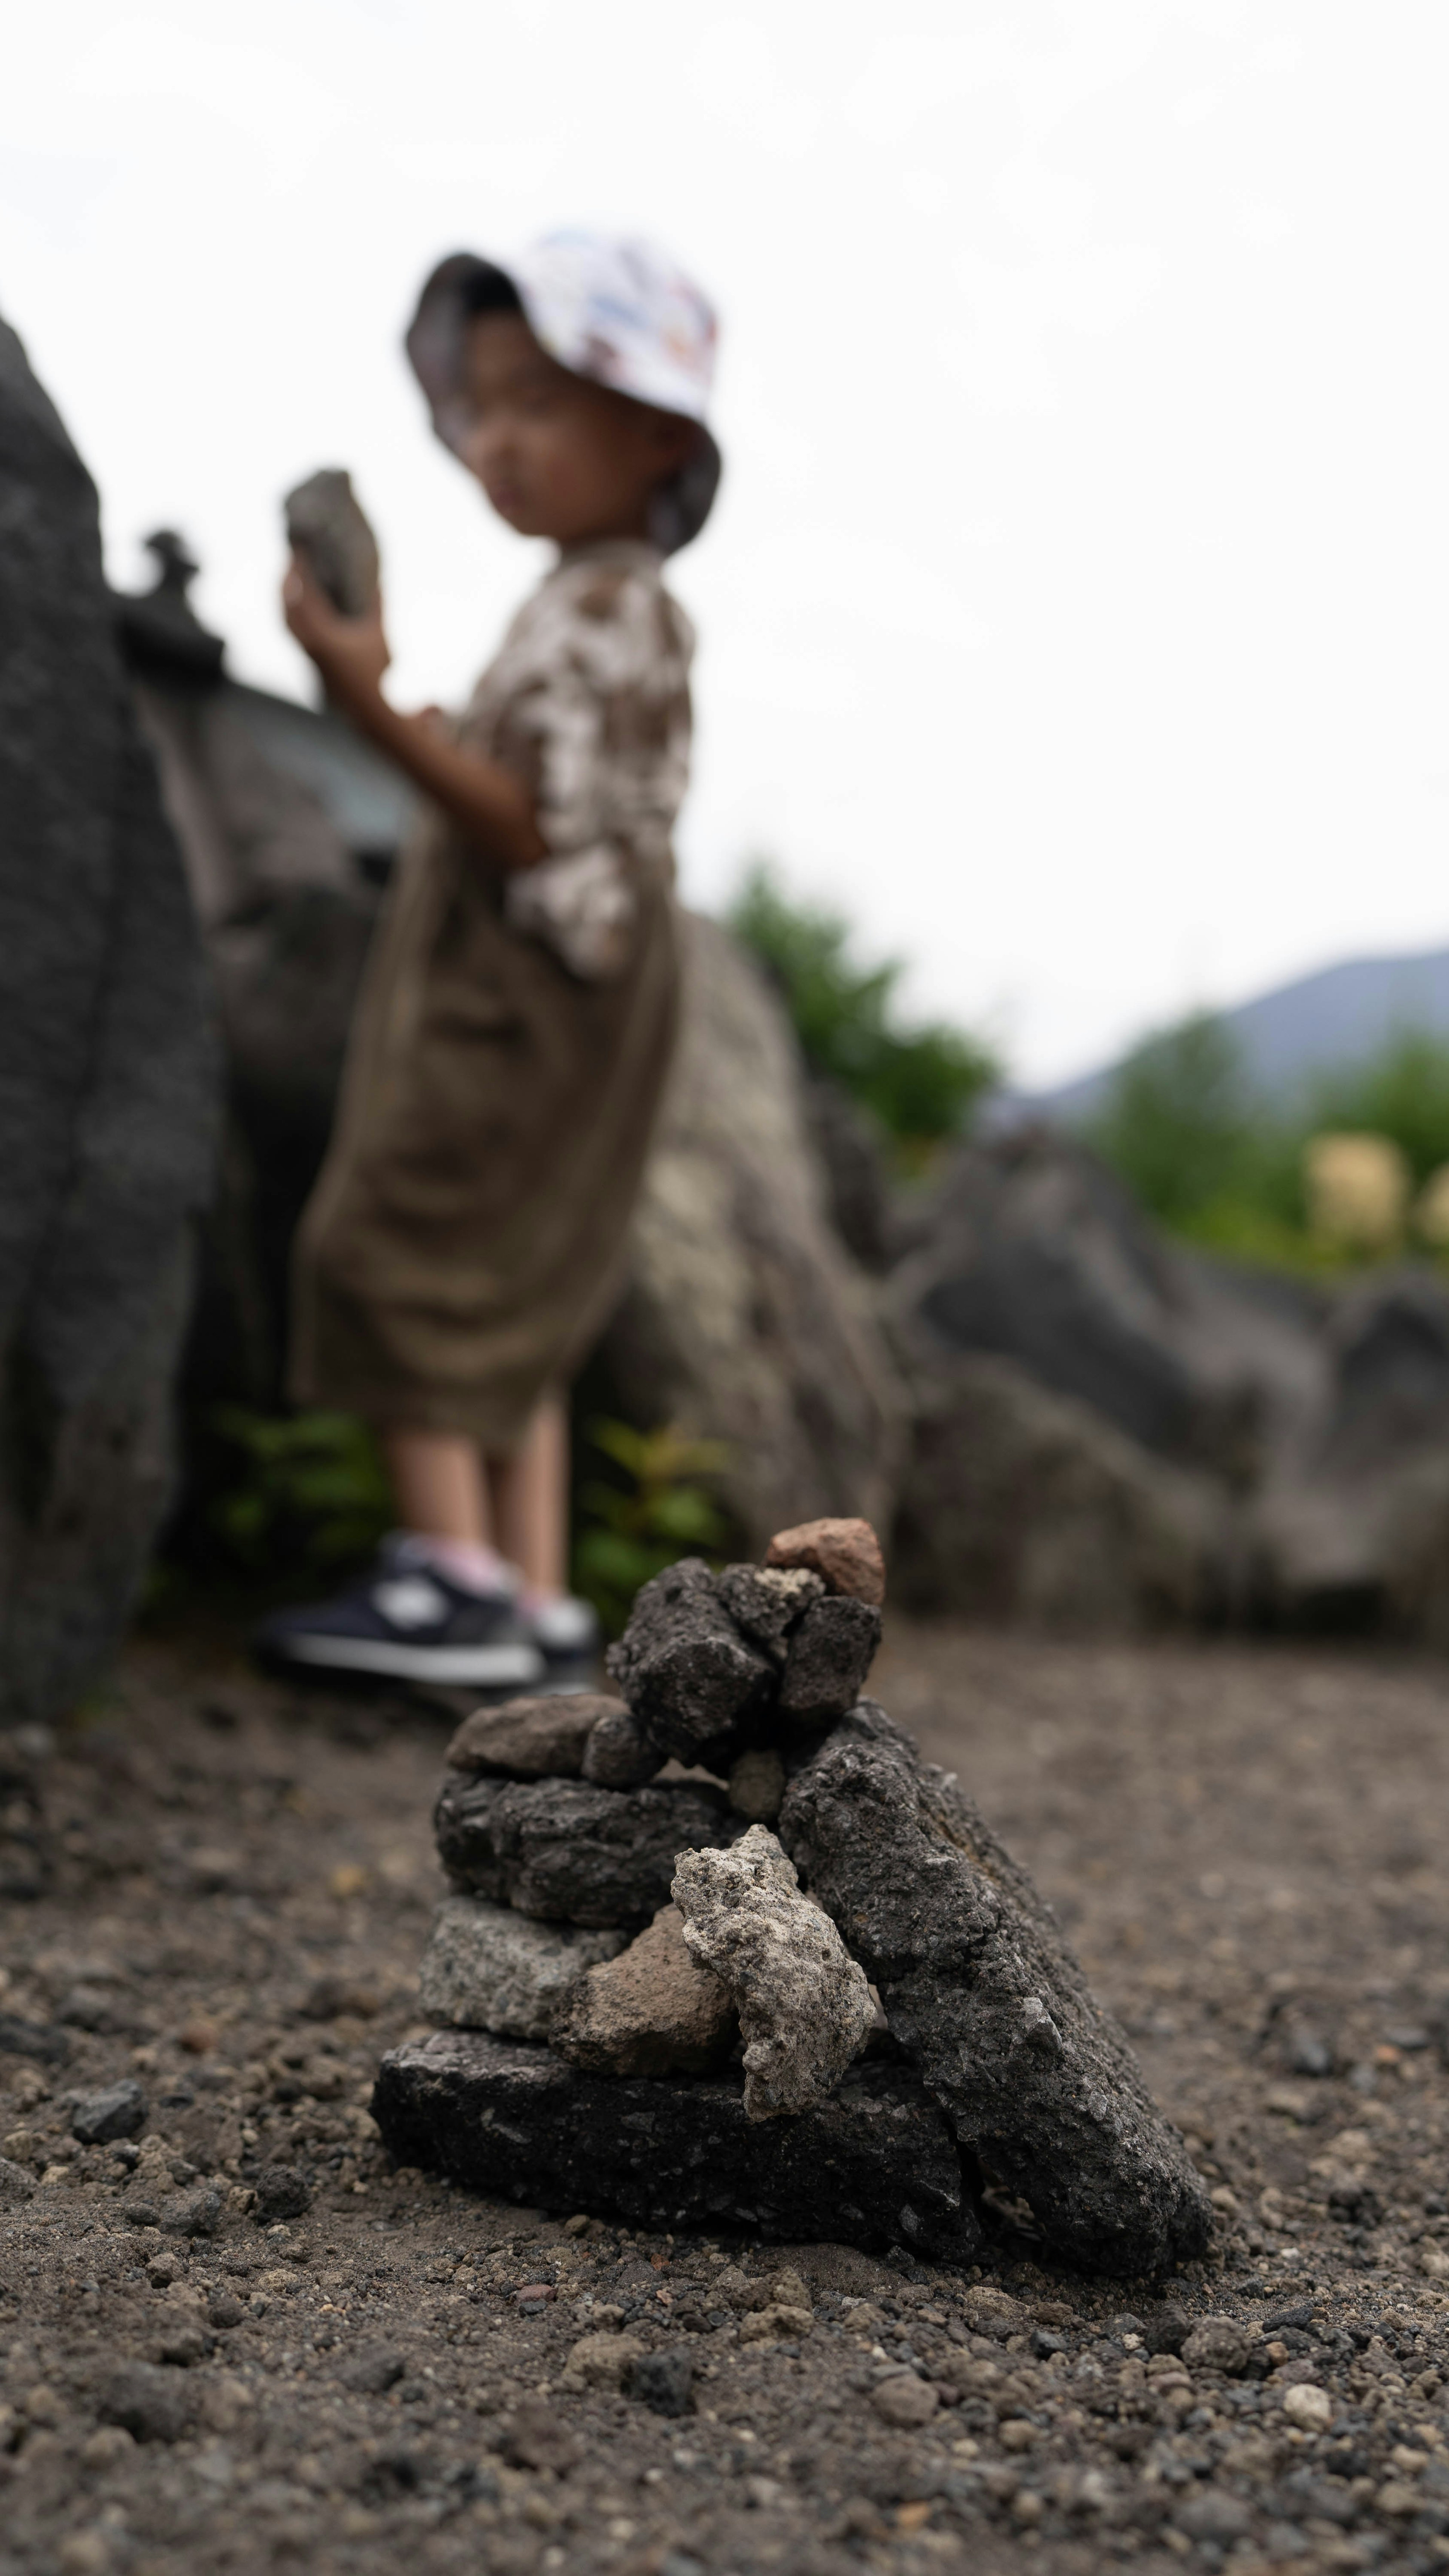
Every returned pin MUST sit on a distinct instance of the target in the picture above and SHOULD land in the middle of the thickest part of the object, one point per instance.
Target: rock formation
(744, 1318)
(835, 2111)
(108, 1087)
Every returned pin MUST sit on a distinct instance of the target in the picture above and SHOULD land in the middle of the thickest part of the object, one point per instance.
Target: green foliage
(308, 1490)
(1402, 1093)
(922, 1081)
(654, 1508)
(1209, 1160)
(1182, 1130)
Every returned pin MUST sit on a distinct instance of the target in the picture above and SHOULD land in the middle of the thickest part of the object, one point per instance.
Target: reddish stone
(845, 1554)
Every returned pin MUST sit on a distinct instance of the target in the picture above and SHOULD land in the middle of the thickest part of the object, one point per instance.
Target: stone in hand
(803, 2002)
(489, 1968)
(328, 528)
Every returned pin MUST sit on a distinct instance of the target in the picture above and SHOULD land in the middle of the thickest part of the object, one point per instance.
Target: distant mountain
(1336, 1017)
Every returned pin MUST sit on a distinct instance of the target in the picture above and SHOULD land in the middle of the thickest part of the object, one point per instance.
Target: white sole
(463, 1665)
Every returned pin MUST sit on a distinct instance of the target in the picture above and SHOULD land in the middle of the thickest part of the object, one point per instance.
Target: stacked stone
(646, 2012)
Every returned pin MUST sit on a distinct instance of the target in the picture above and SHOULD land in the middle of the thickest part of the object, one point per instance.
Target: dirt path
(230, 1889)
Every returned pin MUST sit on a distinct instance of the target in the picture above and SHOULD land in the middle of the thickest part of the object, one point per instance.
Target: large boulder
(744, 1318)
(989, 2003)
(108, 1086)
(1028, 1509)
(1349, 1527)
(1033, 1251)
(277, 809)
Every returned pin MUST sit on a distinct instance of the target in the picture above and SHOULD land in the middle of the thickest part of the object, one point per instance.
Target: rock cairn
(808, 1994)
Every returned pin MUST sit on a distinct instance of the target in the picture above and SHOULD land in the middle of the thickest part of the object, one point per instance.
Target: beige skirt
(466, 1237)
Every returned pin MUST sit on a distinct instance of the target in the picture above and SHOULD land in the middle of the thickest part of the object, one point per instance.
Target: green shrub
(653, 1508)
(307, 1491)
(921, 1082)
(1209, 1159)
(1401, 1093)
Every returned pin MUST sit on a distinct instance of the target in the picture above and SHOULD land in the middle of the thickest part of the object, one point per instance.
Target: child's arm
(352, 654)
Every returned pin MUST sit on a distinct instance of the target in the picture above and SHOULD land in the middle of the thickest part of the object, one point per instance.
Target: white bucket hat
(618, 312)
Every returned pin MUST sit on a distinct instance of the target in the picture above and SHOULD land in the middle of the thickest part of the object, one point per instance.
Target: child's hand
(352, 653)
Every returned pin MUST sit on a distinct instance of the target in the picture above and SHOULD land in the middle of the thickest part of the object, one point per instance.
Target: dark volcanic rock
(529, 1738)
(616, 1755)
(767, 1602)
(830, 1655)
(118, 2112)
(571, 1852)
(281, 2193)
(151, 2401)
(981, 1990)
(663, 2381)
(875, 2165)
(688, 1675)
(108, 1087)
(41, 2040)
(1028, 1509)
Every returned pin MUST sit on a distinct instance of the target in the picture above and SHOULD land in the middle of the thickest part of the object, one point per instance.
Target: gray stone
(831, 1652)
(767, 1601)
(693, 1682)
(850, 1150)
(663, 2381)
(41, 2040)
(15, 2182)
(194, 2213)
(109, 1088)
(570, 1852)
(118, 2112)
(618, 1754)
(873, 2166)
(1026, 1508)
(1032, 1249)
(653, 2010)
(530, 1738)
(757, 1785)
(744, 1319)
(1218, 2343)
(983, 1993)
(328, 528)
(488, 1968)
(803, 2002)
(373, 2371)
(282, 2193)
(151, 2402)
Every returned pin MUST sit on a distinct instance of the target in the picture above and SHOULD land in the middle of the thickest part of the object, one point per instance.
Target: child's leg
(529, 1496)
(438, 1480)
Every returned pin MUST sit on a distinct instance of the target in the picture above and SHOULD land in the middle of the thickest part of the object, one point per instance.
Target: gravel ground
(218, 1890)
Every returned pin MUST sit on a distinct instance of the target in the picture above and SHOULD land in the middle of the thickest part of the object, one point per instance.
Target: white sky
(1075, 612)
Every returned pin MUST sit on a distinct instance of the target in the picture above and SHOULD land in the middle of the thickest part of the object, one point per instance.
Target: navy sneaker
(409, 1621)
(564, 1628)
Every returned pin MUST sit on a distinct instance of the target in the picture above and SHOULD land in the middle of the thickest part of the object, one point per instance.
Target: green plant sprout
(657, 1510)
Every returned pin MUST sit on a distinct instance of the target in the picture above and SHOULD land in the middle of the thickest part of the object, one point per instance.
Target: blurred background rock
(1174, 1355)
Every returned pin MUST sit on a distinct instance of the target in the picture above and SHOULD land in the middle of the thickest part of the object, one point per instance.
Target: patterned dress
(465, 1239)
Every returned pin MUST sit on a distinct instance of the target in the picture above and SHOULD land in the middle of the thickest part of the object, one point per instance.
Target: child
(464, 1241)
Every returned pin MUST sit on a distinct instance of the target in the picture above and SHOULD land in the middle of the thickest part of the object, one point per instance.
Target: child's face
(557, 456)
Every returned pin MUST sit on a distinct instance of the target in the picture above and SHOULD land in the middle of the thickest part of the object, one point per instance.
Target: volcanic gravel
(232, 2337)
